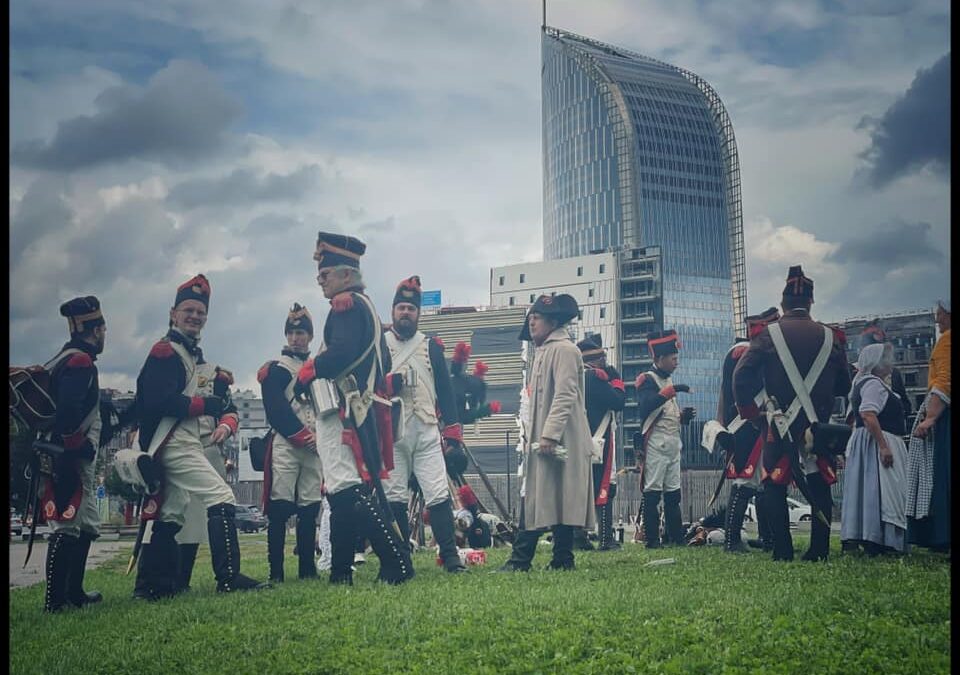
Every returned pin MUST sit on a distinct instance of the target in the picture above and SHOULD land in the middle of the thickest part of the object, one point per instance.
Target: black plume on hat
(562, 308)
(82, 314)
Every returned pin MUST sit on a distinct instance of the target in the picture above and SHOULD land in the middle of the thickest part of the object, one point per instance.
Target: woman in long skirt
(928, 475)
(874, 487)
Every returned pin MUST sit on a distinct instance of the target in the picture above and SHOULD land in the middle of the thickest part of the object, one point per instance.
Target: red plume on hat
(494, 407)
(461, 352)
(197, 288)
(480, 369)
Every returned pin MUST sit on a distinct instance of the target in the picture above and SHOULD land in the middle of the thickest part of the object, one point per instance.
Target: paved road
(34, 573)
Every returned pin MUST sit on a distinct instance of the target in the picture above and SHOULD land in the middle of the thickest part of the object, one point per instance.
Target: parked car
(249, 518)
(799, 511)
(16, 524)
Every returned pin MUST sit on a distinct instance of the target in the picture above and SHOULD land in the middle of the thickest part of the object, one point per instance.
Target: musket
(141, 530)
(40, 463)
(783, 437)
(730, 446)
(32, 499)
(488, 485)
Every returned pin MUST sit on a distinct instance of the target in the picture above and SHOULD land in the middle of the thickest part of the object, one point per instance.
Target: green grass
(709, 613)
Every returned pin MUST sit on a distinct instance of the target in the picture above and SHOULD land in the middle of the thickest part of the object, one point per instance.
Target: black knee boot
(343, 536)
(736, 509)
(307, 540)
(524, 547)
(378, 526)
(441, 522)
(278, 513)
(225, 551)
(75, 593)
(402, 517)
(764, 535)
(651, 518)
(819, 532)
(778, 516)
(158, 571)
(188, 556)
(608, 542)
(581, 538)
(562, 548)
(61, 551)
(673, 518)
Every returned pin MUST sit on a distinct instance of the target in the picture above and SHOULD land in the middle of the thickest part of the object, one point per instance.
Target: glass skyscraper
(638, 153)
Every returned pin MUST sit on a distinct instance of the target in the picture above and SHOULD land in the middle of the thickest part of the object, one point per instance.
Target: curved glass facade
(638, 153)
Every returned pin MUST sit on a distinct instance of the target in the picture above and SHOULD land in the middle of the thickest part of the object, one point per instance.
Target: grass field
(709, 613)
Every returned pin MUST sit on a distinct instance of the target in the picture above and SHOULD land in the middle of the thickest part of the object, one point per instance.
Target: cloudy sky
(152, 141)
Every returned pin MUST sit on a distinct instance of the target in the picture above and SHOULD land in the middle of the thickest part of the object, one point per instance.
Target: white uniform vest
(419, 399)
(668, 424)
(304, 411)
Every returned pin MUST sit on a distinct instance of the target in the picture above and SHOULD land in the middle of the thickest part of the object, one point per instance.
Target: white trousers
(295, 473)
(195, 526)
(418, 453)
(188, 473)
(88, 516)
(338, 469)
(661, 469)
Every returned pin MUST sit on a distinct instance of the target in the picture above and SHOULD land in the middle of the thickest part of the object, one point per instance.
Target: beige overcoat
(558, 493)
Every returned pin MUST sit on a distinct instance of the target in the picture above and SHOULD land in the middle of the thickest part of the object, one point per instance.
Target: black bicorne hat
(563, 308)
(82, 314)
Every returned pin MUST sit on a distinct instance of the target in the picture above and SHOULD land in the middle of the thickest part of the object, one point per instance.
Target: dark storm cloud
(914, 132)
(40, 212)
(894, 245)
(244, 186)
(182, 114)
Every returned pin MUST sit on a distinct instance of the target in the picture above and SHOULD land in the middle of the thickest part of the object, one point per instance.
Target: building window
(523, 277)
(533, 297)
(246, 416)
(603, 312)
(502, 279)
(246, 404)
(579, 271)
(920, 354)
(603, 268)
(589, 292)
(910, 379)
(511, 301)
(580, 314)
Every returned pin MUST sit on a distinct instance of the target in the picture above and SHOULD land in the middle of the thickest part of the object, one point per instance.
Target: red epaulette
(162, 349)
(224, 375)
(839, 336)
(79, 360)
(439, 342)
(738, 351)
(341, 302)
(264, 369)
